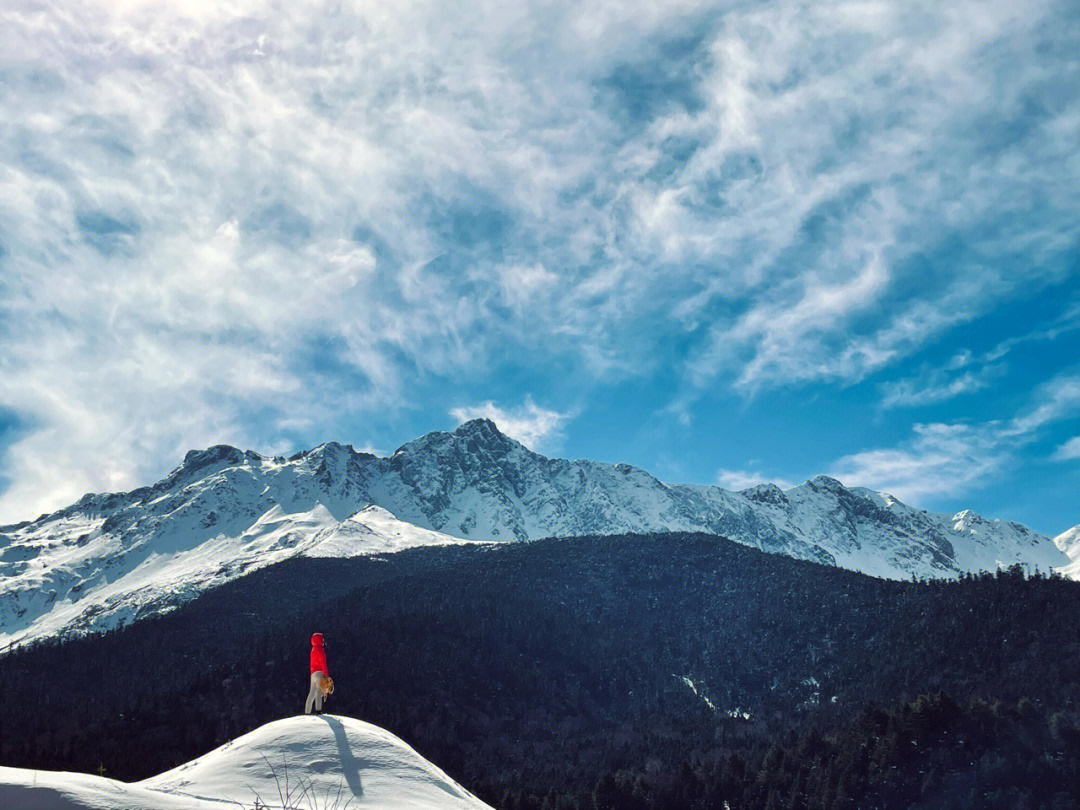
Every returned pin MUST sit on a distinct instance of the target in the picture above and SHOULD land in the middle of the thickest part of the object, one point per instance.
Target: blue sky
(725, 242)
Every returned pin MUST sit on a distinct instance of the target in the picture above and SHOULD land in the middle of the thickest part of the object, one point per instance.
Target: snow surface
(335, 758)
(1069, 542)
(83, 578)
(111, 559)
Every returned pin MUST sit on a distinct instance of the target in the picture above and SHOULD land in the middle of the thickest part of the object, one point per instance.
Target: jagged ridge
(114, 557)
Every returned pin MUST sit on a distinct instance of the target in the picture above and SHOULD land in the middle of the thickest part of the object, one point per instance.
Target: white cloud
(779, 331)
(943, 460)
(372, 449)
(966, 372)
(1058, 399)
(222, 219)
(810, 306)
(1069, 450)
(533, 426)
(521, 284)
(933, 387)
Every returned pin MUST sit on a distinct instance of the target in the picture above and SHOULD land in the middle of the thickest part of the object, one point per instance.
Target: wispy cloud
(966, 372)
(941, 460)
(535, 427)
(1069, 450)
(222, 220)
(1058, 399)
(937, 385)
(838, 285)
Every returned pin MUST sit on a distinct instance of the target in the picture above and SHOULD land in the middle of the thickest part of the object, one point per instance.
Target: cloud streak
(1069, 450)
(942, 460)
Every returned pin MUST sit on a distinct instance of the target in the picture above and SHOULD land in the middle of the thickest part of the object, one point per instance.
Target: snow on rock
(74, 575)
(372, 530)
(113, 558)
(1069, 542)
(981, 544)
(333, 759)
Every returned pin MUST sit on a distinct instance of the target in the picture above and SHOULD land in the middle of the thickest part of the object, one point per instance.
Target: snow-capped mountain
(111, 558)
(320, 761)
(80, 573)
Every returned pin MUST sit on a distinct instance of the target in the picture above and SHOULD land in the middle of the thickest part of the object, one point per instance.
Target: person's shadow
(350, 766)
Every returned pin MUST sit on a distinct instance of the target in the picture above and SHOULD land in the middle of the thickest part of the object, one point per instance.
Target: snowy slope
(78, 575)
(113, 558)
(333, 758)
(1069, 542)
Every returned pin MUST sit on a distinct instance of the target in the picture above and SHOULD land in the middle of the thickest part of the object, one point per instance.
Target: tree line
(640, 671)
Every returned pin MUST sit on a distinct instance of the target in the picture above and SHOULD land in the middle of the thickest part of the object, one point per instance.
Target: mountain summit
(112, 558)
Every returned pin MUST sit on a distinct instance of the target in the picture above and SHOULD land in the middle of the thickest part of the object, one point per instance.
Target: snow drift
(322, 761)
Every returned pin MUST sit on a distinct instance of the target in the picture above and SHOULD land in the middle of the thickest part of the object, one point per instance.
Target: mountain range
(110, 559)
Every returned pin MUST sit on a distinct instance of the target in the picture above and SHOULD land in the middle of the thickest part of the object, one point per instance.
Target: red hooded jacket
(318, 655)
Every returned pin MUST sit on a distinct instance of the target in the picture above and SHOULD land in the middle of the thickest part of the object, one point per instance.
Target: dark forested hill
(630, 672)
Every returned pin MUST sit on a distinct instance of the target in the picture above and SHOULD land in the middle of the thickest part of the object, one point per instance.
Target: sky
(725, 242)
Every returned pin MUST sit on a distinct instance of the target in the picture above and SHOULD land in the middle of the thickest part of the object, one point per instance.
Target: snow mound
(325, 760)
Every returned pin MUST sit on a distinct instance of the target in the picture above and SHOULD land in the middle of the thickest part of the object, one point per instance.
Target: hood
(316, 640)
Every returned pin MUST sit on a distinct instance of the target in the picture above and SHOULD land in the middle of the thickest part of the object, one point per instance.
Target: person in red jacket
(318, 672)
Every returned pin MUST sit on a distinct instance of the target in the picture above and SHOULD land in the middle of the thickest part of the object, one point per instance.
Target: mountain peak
(198, 459)
(332, 450)
(216, 451)
(475, 438)
(233, 509)
(826, 483)
(765, 493)
(486, 434)
(480, 428)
